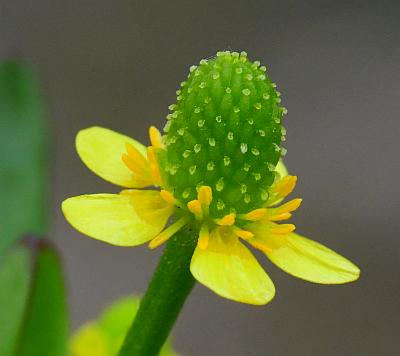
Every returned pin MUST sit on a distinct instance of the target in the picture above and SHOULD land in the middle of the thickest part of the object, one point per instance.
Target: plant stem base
(165, 296)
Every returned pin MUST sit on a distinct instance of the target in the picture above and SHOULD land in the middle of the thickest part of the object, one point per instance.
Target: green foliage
(225, 132)
(24, 154)
(104, 336)
(33, 314)
(32, 296)
(45, 329)
(14, 290)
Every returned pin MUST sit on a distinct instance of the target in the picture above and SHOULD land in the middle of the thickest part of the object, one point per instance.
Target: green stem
(165, 296)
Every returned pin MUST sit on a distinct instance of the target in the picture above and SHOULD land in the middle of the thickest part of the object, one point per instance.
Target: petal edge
(101, 151)
(113, 218)
(307, 259)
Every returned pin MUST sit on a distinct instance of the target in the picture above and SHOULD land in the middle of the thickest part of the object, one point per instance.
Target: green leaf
(104, 336)
(45, 329)
(14, 289)
(24, 154)
(34, 314)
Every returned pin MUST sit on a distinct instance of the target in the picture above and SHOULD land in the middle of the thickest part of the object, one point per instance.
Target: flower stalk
(165, 296)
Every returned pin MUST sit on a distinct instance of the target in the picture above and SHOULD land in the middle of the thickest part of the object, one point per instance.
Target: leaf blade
(24, 154)
(14, 291)
(45, 328)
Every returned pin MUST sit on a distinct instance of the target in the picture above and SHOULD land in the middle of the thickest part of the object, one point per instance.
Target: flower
(217, 170)
(104, 336)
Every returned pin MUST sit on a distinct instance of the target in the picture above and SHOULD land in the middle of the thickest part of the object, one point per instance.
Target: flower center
(224, 132)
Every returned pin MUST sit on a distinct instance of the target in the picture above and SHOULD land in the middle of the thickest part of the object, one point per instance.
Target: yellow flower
(221, 261)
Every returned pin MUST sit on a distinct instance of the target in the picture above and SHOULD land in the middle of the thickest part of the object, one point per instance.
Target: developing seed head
(222, 108)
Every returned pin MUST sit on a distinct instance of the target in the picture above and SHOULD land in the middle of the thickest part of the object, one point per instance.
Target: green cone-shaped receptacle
(225, 132)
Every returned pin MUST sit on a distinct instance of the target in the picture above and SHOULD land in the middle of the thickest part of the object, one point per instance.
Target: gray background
(118, 64)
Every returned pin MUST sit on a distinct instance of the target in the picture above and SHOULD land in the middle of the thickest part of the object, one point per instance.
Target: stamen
(141, 172)
(155, 137)
(204, 195)
(195, 207)
(227, 220)
(285, 186)
(256, 214)
(283, 212)
(136, 156)
(131, 164)
(167, 196)
(290, 206)
(154, 168)
(168, 232)
(283, 229)
(135, 161)
(204, 237)
(151, 155)
(244, 234)
(262, 247)
(283, 216)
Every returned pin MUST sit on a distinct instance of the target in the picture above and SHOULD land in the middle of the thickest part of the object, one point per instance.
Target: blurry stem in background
(165, 296)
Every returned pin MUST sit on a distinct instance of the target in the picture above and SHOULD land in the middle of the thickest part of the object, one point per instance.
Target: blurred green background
(33, 305)
(118, 64)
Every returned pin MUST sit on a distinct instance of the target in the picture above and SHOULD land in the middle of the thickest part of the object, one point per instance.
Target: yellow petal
(306, 259)
(229, 269)
(102, 149)
(128, 219)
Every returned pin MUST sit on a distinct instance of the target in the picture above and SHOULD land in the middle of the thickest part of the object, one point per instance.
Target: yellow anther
(194, 206)
(136, 163)
(154, 168)
(204, 195)
(227, 220)
(151, 155)
(290, 206)
(244, 234)
(135, 155)
(283, 229)
(283, 212)
(204, 237)
(256, 214)
(168, 232)
(167, 196)
(139, 167)
(155, 173)
(285, 186)
(261, 246)
(130, 163)
(155, 137)
(277, 217)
